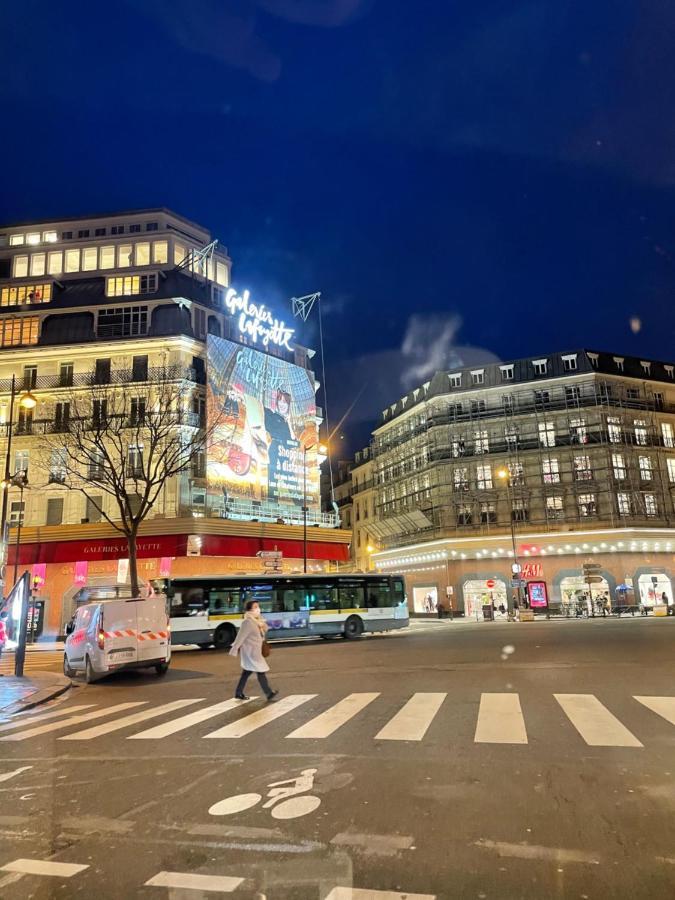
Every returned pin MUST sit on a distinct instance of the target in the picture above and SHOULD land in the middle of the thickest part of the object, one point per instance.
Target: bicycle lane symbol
(283, 800)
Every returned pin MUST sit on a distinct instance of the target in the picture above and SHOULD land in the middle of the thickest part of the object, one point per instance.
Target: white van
(110, 635)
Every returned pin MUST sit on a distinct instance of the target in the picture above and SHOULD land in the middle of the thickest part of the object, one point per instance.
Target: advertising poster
(425, 599)
(261, 414)
(536, 591)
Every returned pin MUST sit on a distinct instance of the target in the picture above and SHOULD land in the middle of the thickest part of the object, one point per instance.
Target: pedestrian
(249, 645)
(3, 630)
(440, 608)
(664, 600)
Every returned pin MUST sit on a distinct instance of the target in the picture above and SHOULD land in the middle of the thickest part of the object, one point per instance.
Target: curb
(59, 686)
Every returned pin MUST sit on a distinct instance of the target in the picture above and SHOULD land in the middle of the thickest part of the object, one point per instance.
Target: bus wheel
(224, 637)
(353, 628)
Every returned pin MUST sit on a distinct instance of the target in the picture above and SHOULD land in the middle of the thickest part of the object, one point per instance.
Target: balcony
(155, 375)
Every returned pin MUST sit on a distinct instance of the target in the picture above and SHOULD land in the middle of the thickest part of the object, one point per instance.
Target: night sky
(461, 180)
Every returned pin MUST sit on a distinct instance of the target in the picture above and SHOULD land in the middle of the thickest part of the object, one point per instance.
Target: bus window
(291, 599)
(223, 601)
(186, 599)
(322, 596)
(352, 595)
(378, 593)
(399, 591)
(263, 594)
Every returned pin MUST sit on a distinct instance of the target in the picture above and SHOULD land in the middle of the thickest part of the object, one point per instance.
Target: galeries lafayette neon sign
(257, 321)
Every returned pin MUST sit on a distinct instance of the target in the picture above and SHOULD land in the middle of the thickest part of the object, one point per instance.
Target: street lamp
(505, 475)
(321, 449)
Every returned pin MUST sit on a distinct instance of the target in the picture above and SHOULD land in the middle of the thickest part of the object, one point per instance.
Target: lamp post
(321, 449)
(505, 475)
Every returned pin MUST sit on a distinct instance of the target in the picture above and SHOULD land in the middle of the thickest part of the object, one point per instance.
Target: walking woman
(249, 645)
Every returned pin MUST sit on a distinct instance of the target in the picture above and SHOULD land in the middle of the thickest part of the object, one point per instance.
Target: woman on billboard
(280, 437)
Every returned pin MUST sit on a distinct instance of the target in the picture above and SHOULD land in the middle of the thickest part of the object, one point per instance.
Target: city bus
(207, 611)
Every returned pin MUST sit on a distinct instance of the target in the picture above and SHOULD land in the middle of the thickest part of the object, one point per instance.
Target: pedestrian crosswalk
(499, 719)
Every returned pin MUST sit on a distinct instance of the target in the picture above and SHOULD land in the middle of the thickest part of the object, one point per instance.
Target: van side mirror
(70, 627)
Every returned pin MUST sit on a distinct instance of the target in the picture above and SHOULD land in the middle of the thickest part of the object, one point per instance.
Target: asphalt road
(472, 761)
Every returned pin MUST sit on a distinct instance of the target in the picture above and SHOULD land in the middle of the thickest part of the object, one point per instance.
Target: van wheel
(224, 637)
(353, 628)
(162, 669)
(89, 674)
(329, 637)
(204, 646)
(67, 671)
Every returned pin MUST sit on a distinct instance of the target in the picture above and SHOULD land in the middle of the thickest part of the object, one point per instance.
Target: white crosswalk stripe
(329, 721)
(257, 719)
(72, 720)
(662, 706)
(192, 881)
(97, 730)
(500, 720)
(412, 721)
(188, 721)
(28, 719)
(349, 893)
(594, 722)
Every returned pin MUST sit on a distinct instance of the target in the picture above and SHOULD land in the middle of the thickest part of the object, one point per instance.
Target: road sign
(517, 582)
(490, 583)
(515, 568)
(269, 554)
(589, 568)
(594, 579)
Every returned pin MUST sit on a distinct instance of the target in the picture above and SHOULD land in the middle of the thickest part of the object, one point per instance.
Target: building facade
(572, 452)
(126, 302)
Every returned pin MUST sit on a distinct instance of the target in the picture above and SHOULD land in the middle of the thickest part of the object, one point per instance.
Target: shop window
(655, 589)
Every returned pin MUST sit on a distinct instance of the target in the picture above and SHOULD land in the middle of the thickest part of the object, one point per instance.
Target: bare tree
(128, 447)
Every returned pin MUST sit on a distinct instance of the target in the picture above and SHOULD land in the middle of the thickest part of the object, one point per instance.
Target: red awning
(228, 545)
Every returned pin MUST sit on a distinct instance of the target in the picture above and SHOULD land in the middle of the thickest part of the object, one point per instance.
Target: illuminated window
(640, 432)
(483, 478)
(651, 507)
(211, 270)
(89, 259)
(33, 237)
(49, 237)
(142, 254)
(550, 471)
(519, 511)
(55, 262)
(488, 513)
(554, 507)
(547, 434)
(460, 479)
(16, 240)
(124, 256)
(72, 261)
(516, 473)
(17, 332)
(587, 505)
(667, 434)
(178, 254)
(20, 266)
(481, 442)
(26, 293)
(222, 274)
(619, 466)
(614, 430)
(582, 468)
(127, 285)
(578, 432)
(107, 258)
(671, 469)
(624, 504)
(160, 252)
(645, 468)
(37, 264)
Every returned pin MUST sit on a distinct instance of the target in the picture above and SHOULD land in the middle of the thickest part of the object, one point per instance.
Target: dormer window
(570, 363)
(669, 371)
(646, 367)
(455, 380)
(478, 376)
(593, 357)
(540, 366)
(507, 373)
(619, 360)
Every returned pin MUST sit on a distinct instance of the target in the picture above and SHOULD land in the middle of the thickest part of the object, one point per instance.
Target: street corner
(21, 694)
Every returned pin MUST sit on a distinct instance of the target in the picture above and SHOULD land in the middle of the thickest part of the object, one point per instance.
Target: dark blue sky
(458, 178)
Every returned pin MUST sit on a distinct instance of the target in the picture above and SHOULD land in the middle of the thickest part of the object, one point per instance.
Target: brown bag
(266, 649)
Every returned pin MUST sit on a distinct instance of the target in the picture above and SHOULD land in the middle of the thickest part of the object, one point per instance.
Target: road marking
(329, 721)
(411, 722)
(73, 720)
(89, 733)
(231, 805)
(662, 706)
(261, 717)
(7, 775)
(348, 893)
(190, 881)
(43, 867)
(194, 718)
(594, 722)
(535, 851)
(374, 844)
(28, 718)
(500, 720)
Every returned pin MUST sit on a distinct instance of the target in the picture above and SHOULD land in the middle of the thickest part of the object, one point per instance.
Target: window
(483, 478)
(124, 321)
(578, 432)
(20, 266)
(519, 511)
(516, 473)
(26, 293)
(135, 461)
(124, 256)
(107, 257)
(128, 285)
(54, 510)
(83, 233)
(667, 434)
(199, 464)
(624, 505)
(670, 371)
(139, 369)
(550, 471)
(222, 276)
(554, 508)
(21, 460)
(619, 466)
(89, 259)
(66, 375)
(37, 263)
(511, 436)
(651, 507)
(507, 373)
(573, 394)
(464, 514)
(477, 407)
(582, 468)
(102, 371)
(547, 434)
(632, 394)
(18, 332)
(151, 226)
(25, 421)
(570, 363)
(199, 409)
(604, 391)
(614, 430)
(160, 252)
(134, 229)
(61, 416)
(478, 377)
(645, 468)
(137, 411)
(460, 479)
(586, 504)
(671, 469)
(99, 413)
(540, 366)
(646, 366)
(351, 595)
(179, 254)
(507, 403)
(542, 398)
(93, 508)
(488, 514)
(618, 361)
(640, 432)
(57, 466)
(49, 237)
(117, 229)
(29, 377)
(658, 400)
(378, 594)
(66, 235)
(17, 510)
(16, 240)
(199, 323)
(481, 442)
(143, 254)
(33, 237)
(458, 448)
(72, 261)
(55, 262)
(99, 232)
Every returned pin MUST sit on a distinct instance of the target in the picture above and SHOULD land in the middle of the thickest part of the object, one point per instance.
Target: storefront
(478, 593)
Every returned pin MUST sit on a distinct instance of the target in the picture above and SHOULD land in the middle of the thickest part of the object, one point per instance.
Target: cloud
(427, 347)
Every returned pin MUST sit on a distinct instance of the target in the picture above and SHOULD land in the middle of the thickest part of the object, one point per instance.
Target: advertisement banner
(261, 413)
(537, 593)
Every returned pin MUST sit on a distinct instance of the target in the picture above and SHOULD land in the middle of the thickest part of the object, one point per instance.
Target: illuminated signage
(257, 321)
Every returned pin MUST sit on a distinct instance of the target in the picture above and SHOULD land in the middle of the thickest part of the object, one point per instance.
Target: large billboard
(261, 413)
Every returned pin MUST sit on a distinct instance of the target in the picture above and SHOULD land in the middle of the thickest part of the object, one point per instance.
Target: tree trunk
(133, 563)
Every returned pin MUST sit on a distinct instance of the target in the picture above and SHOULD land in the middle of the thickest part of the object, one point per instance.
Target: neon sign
(257, 321)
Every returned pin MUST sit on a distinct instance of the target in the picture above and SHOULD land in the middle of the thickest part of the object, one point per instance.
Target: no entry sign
(490, 583)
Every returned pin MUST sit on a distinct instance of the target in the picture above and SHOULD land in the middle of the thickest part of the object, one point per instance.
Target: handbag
(266, 649)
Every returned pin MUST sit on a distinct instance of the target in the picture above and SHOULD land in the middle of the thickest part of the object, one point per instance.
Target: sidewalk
(18, 694)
